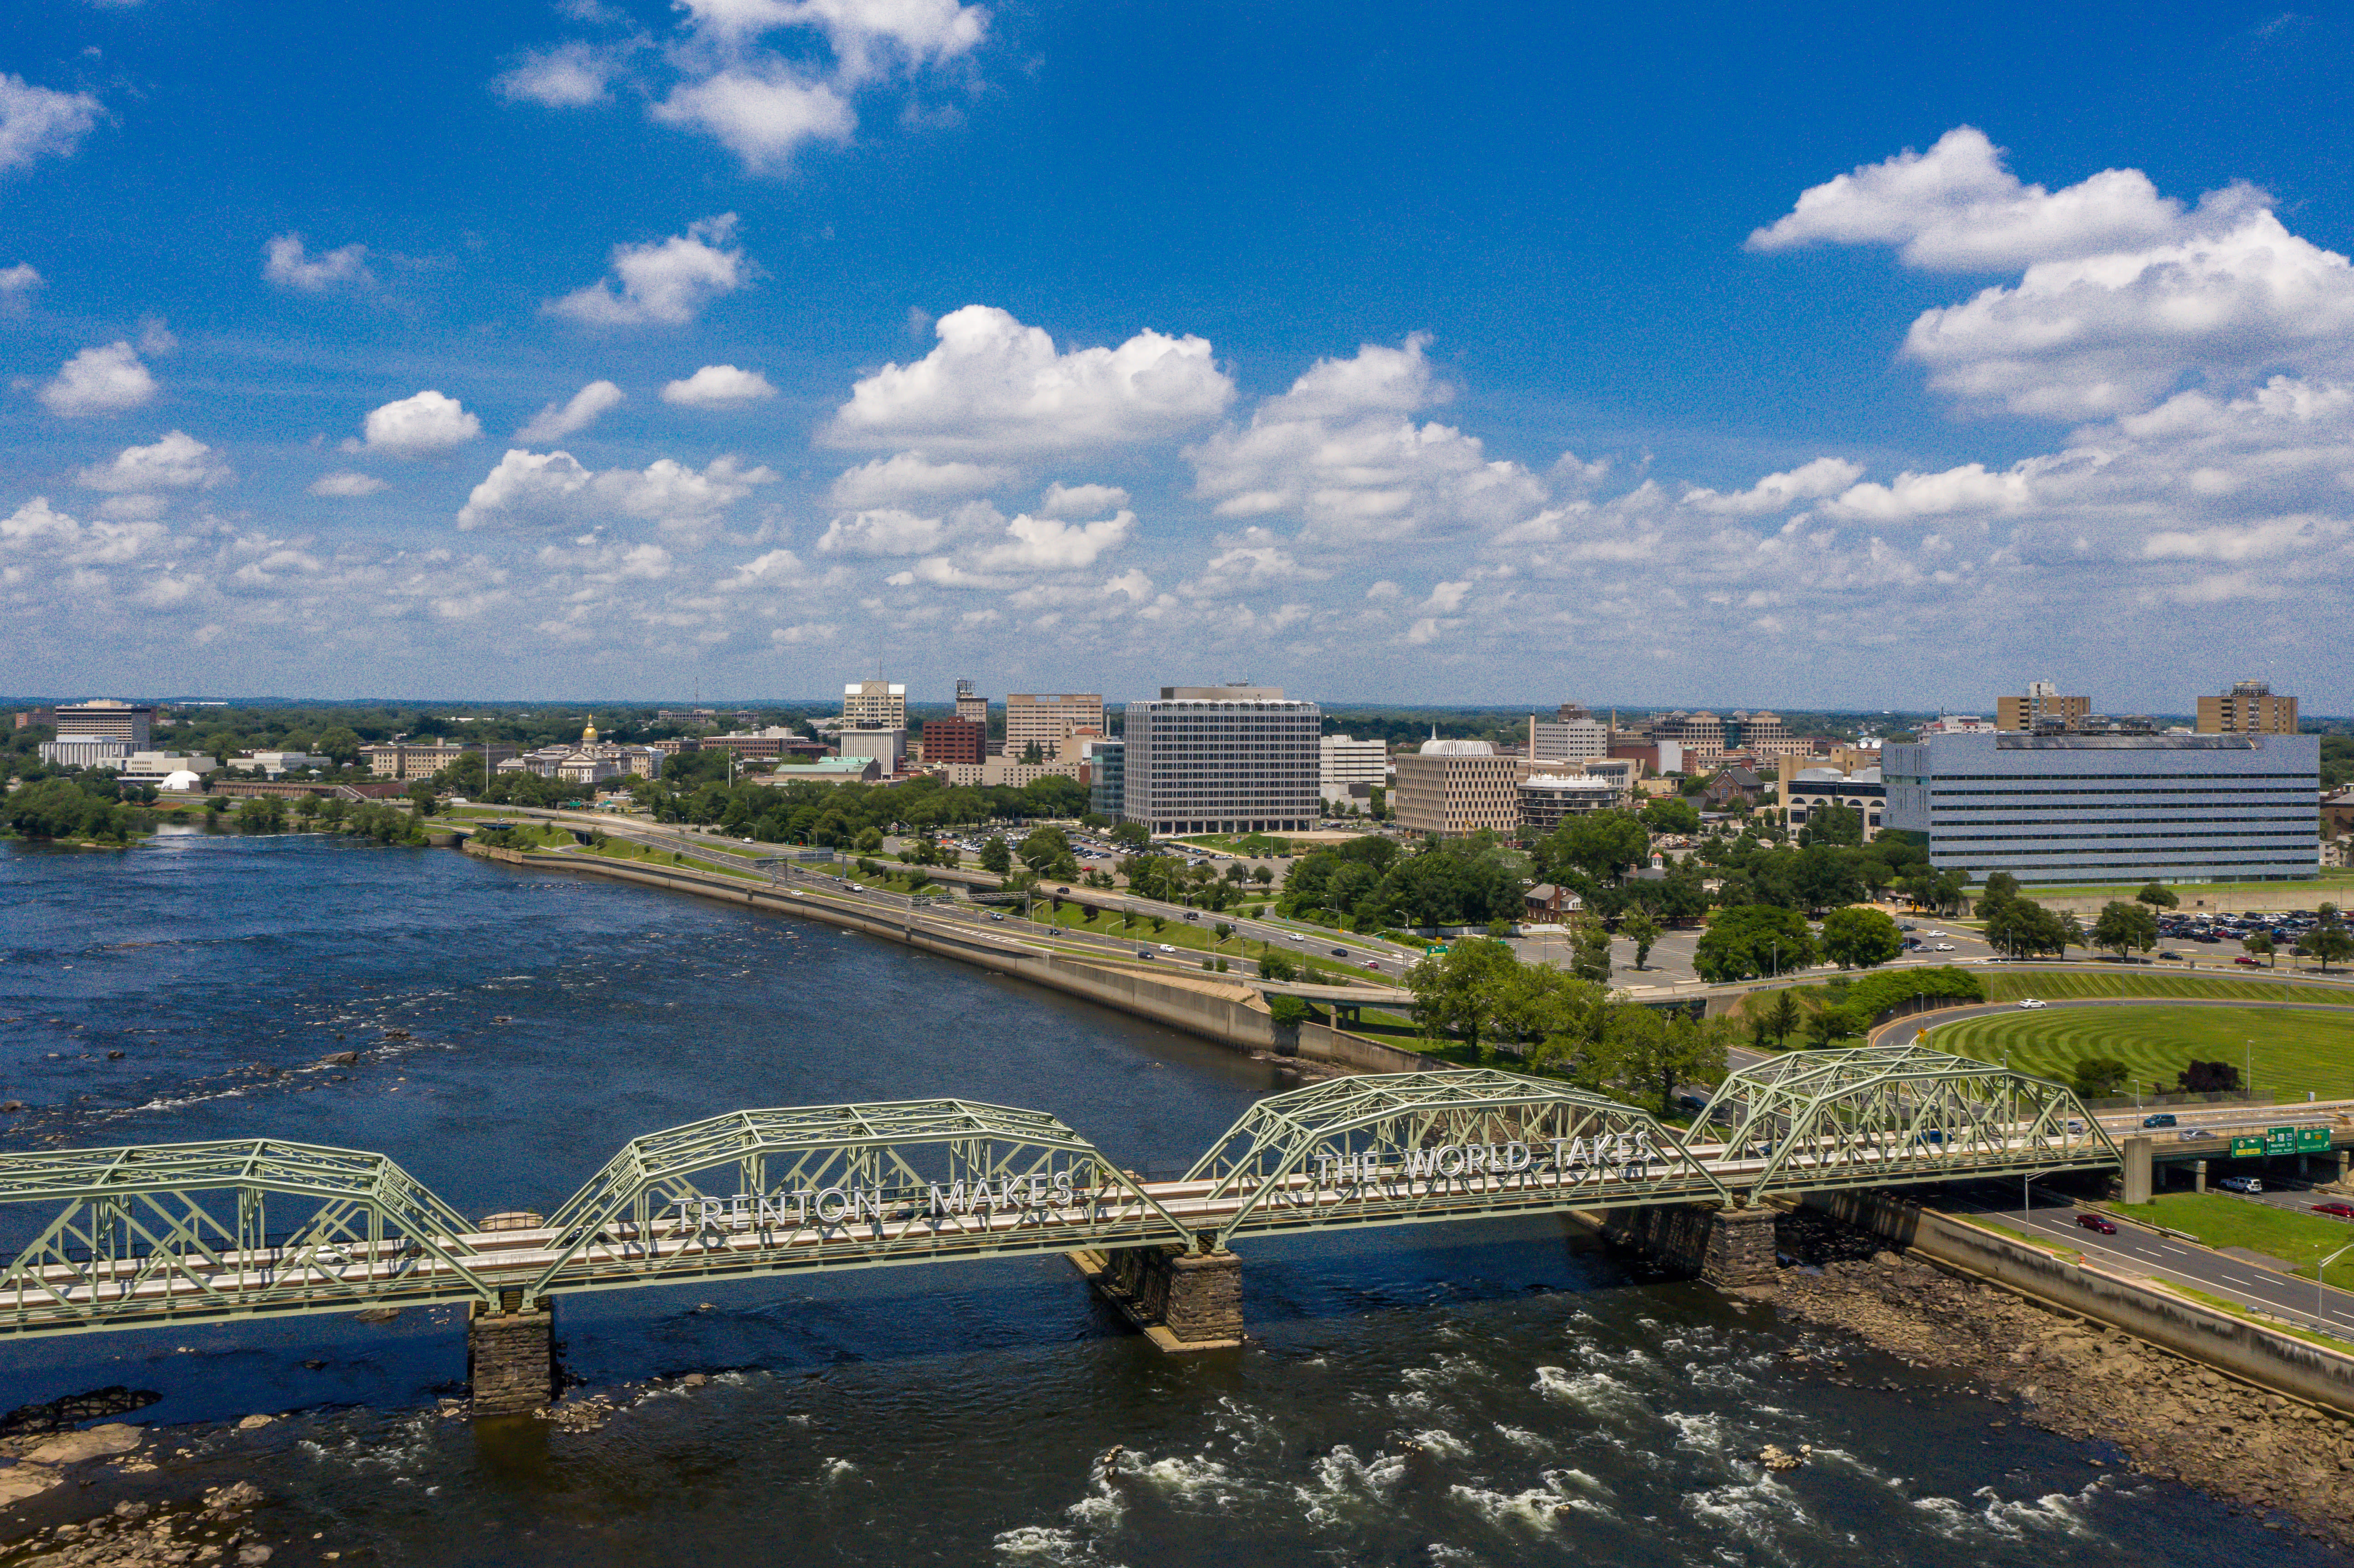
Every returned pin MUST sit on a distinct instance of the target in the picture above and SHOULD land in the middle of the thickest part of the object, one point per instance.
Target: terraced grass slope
(2294, 1050)
(2065, 985)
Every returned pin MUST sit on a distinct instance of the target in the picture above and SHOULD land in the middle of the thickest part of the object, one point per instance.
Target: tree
(2124, 927)
(2331, 944)
(1290, 1012)
(1222, 930)
(2157, 897)
(1458, 991)
(2260, 946)
(995, 857)
(1834, 826)
(1590, 951)
(1753, 939)
(1133, 835)
(1044, 848)
(1602, 844)
(869, 841)
(1783, 1018)
(1263, 875)
(1830, 1024)
(421, 796)
(307, 806)
(2208, 1078)
(2095, 1077)
(1649, 1056)
(1030, 755)
(1670, 815)
(1860, 938)
(1275, 965)
(1643, 931)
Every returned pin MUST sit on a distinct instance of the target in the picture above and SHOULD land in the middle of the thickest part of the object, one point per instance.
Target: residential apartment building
(1204, 759)
(1045, 719)
(1107, 777)
(973, 708)
(103, 718)
(1581, 737)
(2094, 809)
(958, 739)
(2250, 707)
(875, 705)
(2043, 706)
(1349, 772)
(1545, 799)
(1449, 787)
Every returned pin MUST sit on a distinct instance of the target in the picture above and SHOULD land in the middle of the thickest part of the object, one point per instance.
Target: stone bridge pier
(511, 1356)
(1183, 1299)
(1732, 1249)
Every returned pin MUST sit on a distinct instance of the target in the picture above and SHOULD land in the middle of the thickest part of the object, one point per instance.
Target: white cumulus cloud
(423, 426)
(911, 478)
(718, 386)
(763, 114)
(18, 284)
(347, 485)
(996, 387)
(665, 284)
(37, 123)
(178, 462)
(1781, 492)
(106, 380)
(567, 75)
(554, 489)
(285, 263)
(559, 420)
(1081, 499)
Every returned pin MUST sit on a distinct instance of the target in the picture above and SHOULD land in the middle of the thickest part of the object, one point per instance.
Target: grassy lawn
(1193, 935)
(2219, 1220)
(2068, 985)
(2293, 1049)
(2216, 893)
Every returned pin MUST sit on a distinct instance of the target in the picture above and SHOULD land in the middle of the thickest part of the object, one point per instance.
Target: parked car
(2163, 1118)
(2095, 1223)
(2027, 1004)
(2247, 1184)
(1943, 948)
(2337, 1211)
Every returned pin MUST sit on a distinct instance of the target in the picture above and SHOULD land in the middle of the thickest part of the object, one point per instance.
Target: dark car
(2095, 1223)
(2163, 1118)
(1340, 952)
(2341, 1210)
(1143, 952)
(2169, 953)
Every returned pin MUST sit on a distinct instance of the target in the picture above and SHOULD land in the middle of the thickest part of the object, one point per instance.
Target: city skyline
(605, 353)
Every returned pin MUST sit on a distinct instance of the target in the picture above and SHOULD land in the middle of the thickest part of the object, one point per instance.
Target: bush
(2092, 1077)
(1290, 1012)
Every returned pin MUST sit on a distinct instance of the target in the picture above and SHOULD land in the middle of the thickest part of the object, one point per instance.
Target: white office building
(86, 751)
(1568, 740)
(1223, 760)
(2101, 809)
(1349, 772)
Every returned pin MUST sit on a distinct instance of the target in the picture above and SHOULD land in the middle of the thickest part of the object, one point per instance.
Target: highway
(2138, 1249)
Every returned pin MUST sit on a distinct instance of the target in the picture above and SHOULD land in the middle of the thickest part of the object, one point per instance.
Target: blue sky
(1475, 354)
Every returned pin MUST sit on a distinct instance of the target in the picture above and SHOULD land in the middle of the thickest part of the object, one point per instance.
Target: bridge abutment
(1732, 1249)
(510, 1358)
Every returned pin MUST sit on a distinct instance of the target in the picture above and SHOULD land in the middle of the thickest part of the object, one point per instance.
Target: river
(1497, 1393)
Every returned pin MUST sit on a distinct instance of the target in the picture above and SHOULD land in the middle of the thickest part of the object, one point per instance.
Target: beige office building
(875, 705)
(106, 719)
(2250, 707)
(971, 706)
(1699, 737)
(1046, 719)
(1450, 788)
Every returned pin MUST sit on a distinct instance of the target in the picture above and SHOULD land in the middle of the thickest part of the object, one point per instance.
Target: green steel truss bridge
(134, 1237)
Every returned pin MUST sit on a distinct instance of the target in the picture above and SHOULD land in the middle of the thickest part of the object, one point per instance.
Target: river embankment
(2168, 1417)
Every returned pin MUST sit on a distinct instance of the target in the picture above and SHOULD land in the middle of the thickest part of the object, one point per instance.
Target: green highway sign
(2312, 1140)
(2280, 1141)
(2247, 1147)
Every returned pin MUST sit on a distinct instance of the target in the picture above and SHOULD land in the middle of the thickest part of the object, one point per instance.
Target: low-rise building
(888, 747)
(274, 763)
(829, 770)
(1547, 798)
(2250, 707)
(403, 761)
(86, 751)
(1809, 791)
(1350, 770)
(1731, 784)
(954, 740)
(1546, 905)
(2045, 707)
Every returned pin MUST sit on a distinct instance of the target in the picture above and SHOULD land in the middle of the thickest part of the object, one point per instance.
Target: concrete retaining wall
(2247, 1349)
(1322, 1043)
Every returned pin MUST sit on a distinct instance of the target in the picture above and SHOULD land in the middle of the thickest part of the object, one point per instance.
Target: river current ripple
(1492, 1393)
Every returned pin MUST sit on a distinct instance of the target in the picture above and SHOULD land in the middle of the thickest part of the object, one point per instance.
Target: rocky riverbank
(2172, 1418)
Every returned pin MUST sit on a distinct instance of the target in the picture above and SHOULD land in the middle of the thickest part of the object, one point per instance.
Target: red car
(2341, 1210)
(2095, 1223)
(2243, 958)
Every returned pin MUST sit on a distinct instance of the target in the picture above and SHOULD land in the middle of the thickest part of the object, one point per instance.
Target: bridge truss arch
(846, 1186)
(1395, 1149)
(1874, 1115)
(170, 1232)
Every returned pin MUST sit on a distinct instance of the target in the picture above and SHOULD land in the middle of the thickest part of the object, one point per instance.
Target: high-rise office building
(1223, 760)
(2104, 809)
(2250, 707)
(1350, 771)
(103, 718)
(1449, 787)
(1579, 737)
(955, 740)
(970, 705)
(1045, 719)
(1107, 765)
(875, 705)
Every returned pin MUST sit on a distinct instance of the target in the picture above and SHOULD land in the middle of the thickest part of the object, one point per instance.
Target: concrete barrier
(1322, 1043)
(2247, 1350)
